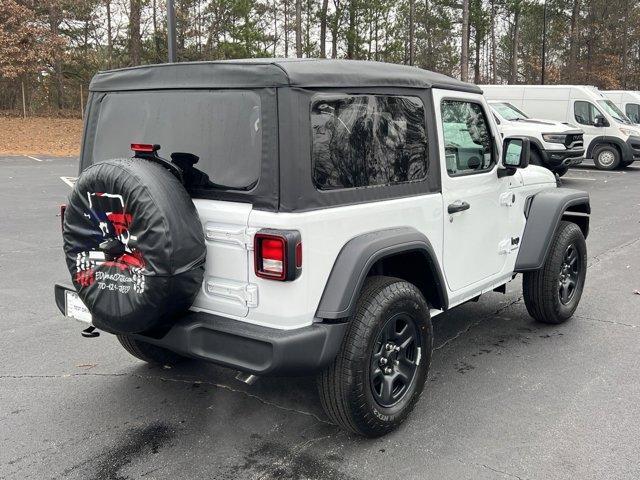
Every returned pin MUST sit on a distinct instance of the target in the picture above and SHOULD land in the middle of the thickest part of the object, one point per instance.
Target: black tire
(606, 157)
(352, 388)
(149, 353)
(535, 158)
(624, 164)
(552, 293)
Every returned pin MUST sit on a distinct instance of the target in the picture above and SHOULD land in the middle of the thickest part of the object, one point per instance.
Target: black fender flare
(356, 258)
(538, 145)
(544, 211)
(608, 140)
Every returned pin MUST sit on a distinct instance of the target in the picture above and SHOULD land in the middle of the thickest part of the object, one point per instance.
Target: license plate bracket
(75, 308)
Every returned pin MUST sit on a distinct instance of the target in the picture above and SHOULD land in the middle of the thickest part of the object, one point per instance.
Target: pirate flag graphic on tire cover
(134, 245)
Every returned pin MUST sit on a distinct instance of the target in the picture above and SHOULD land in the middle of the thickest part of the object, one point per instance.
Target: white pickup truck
(554, 145)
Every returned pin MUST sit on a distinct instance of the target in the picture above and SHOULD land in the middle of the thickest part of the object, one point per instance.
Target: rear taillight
(278, 254)
(63, 208)
(144, 147)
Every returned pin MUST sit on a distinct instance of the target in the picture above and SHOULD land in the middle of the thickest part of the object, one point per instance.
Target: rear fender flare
(355, 260)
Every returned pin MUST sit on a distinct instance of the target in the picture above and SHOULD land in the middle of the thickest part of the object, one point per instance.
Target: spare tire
(134, 245)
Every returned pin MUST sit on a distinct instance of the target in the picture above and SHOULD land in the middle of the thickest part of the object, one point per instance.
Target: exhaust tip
(246, 378)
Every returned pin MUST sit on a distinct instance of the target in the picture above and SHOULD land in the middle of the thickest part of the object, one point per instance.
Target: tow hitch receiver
(90, 332)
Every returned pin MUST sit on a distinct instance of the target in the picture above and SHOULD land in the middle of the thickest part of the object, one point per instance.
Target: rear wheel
(606, 157)
(149, 353)
(379, 373)
(552, 293)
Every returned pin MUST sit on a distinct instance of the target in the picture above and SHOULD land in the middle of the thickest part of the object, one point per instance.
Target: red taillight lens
(278, 254)
(63, 208)
(272, 254)
(144, 147)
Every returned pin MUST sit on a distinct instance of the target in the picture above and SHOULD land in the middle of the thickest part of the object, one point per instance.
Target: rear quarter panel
(324, 232)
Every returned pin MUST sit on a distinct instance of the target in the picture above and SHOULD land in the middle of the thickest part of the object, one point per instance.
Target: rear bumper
(556, 159)
(245, 346)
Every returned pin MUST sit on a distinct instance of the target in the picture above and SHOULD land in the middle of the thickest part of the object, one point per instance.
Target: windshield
(508, 111)
(222, 128)
(614, 111)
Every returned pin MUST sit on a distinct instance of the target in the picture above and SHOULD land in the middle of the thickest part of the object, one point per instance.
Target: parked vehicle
(627, 101)
(554, 145)
(313, 217)
(610, 139)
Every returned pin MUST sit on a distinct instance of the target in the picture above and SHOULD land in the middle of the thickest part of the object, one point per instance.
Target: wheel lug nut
(389, 347)
(387, 370)
(383, 361)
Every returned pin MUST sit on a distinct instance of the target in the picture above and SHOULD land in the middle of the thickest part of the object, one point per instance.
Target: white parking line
(33, 158)
(69, 180)
(579, 178)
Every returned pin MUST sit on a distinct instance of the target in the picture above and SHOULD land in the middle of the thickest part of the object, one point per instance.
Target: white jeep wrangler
(314, 216)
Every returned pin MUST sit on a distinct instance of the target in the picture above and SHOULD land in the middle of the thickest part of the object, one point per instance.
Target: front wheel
(606, 157)
(379, 373)
(552, 293)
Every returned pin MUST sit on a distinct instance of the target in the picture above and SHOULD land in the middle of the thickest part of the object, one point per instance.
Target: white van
(554, 145)
(610, 138)
(626, 100)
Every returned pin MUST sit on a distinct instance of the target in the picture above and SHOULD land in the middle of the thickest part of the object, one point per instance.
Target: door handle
(456, 207)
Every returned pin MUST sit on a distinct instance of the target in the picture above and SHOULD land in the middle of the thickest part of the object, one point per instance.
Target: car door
(475, 199)
(584, 113)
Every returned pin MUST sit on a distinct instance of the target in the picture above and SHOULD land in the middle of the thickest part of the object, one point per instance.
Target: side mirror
(516, 152)
(600, 121)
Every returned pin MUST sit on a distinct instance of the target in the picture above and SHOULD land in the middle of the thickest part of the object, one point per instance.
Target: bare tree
(335, 27)
(286, 28)
(134, 32)
(299, 28)
(573, 42)
(109, 36)
(411, 32)
(513, 74)
(351, 34)
(464, 55)
(323, 28)
(494, 55)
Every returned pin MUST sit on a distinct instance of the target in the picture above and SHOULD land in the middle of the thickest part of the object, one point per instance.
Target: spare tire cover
(134, 245)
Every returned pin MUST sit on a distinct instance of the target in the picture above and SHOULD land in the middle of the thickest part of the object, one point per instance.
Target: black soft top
(270, 72)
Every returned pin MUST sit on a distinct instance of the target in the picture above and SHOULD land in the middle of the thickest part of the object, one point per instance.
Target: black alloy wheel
(570, 271)
(394, 360)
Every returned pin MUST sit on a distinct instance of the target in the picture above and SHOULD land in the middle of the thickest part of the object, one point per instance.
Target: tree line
(50, 49)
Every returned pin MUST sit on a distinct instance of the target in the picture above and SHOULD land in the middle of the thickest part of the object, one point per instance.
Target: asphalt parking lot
(506, 398)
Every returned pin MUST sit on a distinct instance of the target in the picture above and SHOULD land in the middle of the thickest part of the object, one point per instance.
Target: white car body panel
(626, 100)
(532, 127)
(495, 217)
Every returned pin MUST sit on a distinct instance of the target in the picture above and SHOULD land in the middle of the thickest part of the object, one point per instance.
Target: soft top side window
(368, 140)
(468, 143)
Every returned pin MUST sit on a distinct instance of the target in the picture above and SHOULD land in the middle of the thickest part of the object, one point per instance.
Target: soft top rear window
(222, 127)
